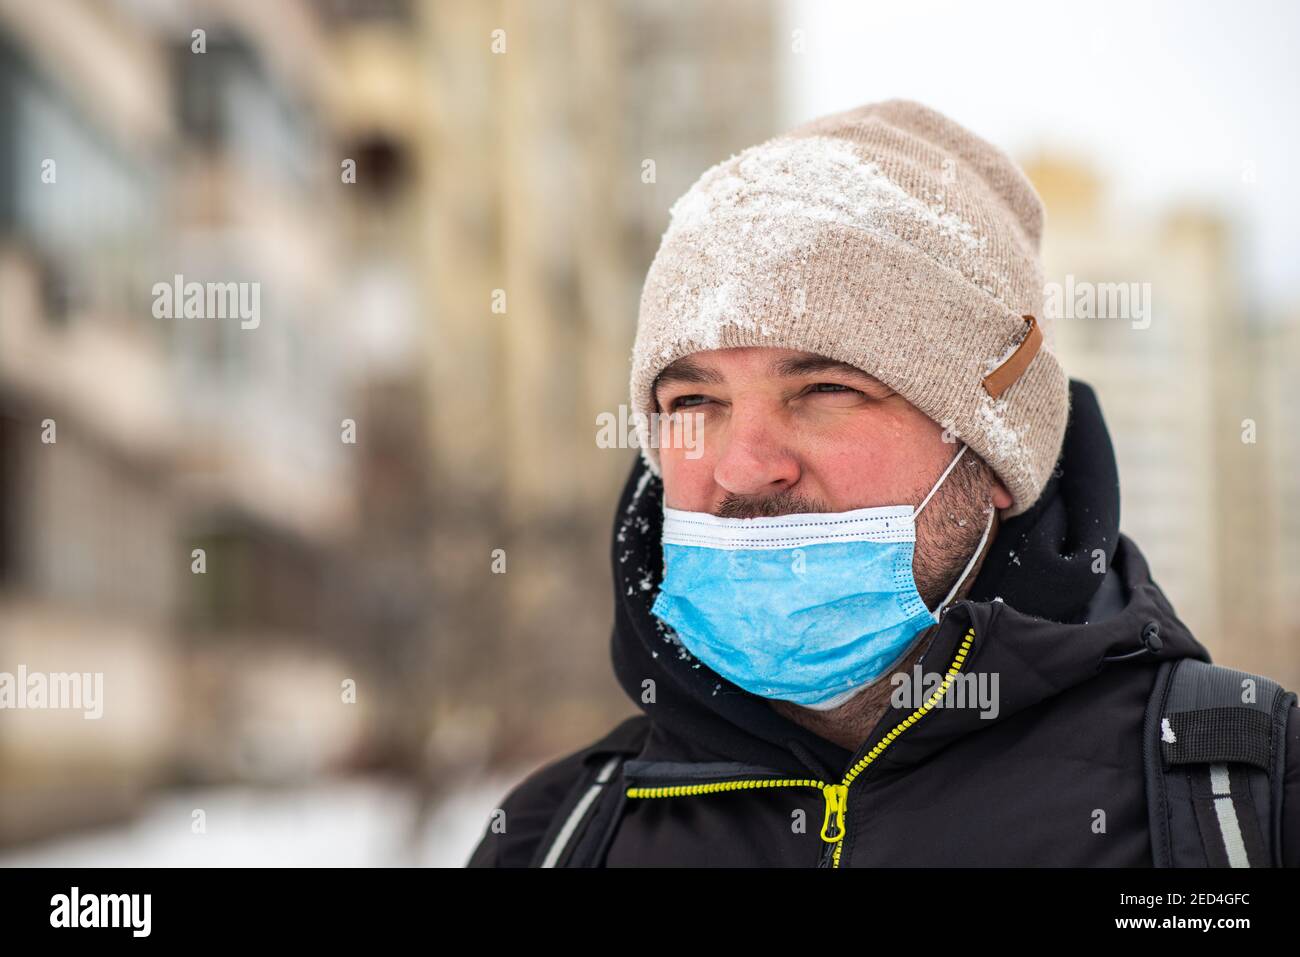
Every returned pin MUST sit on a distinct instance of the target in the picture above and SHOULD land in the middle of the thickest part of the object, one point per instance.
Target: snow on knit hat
(887, 237)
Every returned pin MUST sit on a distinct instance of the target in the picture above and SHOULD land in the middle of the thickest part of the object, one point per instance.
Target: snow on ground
(356, 822)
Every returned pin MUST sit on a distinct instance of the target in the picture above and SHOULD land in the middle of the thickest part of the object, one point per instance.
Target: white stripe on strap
(576, 815)
(1226, 812)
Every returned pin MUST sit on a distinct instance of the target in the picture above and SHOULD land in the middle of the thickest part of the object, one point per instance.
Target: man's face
(785, 431)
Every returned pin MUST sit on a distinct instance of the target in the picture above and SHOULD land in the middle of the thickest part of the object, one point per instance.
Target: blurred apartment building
(599, 133)
(1181, 376)
(176, 434)
(1275, 351)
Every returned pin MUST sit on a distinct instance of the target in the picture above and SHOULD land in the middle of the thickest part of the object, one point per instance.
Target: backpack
(583, 827)
(1213, 765)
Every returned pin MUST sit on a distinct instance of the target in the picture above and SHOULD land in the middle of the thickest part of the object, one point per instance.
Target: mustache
(782, 503)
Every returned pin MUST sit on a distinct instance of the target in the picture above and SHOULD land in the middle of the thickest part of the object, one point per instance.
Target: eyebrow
(809, 365)
(686, 369)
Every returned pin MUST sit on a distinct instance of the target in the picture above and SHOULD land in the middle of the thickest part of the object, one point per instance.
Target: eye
(832, 387)
(686, 401)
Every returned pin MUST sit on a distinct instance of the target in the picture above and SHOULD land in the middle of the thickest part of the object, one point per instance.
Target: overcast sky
(1171, 101)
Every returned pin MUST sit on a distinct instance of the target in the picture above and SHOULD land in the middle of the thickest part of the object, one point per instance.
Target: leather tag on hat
(1011, 369)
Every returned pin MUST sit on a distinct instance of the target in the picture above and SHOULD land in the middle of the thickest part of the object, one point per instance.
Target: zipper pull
(837, 797)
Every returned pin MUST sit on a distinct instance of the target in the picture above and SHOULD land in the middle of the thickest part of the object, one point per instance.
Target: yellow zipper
(836, 795)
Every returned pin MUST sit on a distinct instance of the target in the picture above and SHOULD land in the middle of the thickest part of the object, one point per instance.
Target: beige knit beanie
(887, 237)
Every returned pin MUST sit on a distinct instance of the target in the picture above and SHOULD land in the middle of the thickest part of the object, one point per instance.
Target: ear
(1001, 497)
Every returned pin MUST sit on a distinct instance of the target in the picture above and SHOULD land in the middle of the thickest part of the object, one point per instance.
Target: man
(880, 611)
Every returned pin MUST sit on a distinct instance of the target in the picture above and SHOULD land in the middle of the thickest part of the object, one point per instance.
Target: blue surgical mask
(810, 608)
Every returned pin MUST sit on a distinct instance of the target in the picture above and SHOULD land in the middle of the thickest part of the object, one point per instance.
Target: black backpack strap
(1214, 759)
(584, 822)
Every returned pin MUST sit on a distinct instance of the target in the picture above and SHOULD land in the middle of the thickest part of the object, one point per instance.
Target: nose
(755, 458)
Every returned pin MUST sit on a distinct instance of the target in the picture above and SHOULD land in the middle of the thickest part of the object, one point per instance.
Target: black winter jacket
(716, 777)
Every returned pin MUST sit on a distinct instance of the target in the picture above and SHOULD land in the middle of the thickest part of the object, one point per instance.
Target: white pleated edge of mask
(887, 523)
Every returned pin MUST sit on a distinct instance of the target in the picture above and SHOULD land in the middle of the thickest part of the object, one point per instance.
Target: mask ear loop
(951, 465)
(978, 548)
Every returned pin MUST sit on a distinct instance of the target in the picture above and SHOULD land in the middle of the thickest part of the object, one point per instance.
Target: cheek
(688, 481)
(850, 475)
(866, 459)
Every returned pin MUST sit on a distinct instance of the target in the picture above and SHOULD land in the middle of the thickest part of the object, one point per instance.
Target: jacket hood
(1060, 591)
